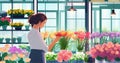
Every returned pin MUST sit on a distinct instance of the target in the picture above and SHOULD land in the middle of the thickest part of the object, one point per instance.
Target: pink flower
(2, 19)
(64, 55)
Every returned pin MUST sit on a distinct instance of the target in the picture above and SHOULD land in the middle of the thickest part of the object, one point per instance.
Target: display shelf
(15, 43)
(20, 18)
(14, 30)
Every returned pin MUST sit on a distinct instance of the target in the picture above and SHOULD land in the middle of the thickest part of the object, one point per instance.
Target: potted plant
(27, 27)
(4, 22)
(16, 13)
(17, 25)
(14, 39)
(7, 39)
(1, 39)
(19, 39)
(29, 12)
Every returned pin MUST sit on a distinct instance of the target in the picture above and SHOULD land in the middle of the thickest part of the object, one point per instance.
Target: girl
(37, 44)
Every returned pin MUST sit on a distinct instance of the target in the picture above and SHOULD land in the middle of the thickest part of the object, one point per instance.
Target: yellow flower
(21, 55)
(27, 60)
(69, 34)
(14, 57)
(7, 45)
(52, 35)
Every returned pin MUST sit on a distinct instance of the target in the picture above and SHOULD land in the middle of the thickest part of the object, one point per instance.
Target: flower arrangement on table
(17, 25)
(82, 37)
(16, 13)
(12, 55)
(107, 51)
(4, 22)
(64, 40)
(64, 56)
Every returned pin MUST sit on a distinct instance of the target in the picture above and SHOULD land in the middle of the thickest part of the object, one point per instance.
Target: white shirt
(36, 41)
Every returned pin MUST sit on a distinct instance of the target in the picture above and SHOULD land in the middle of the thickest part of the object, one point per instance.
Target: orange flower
(52, 35)
(27, 60)
(21, 55)
(2, 61)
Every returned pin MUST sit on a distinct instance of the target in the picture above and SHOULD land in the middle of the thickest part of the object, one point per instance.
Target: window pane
(70, 14)
(71, 25)
(4, 0)
(61, 6)
(51, 14)
(117, 11)
(17, 6)
(28, 0)
(62, 19)
(41, 6)
(116, 25)
(51, 22)
(51, 6)
(106, 13)
(6, 6)
(27, 6)
(80, 24)
(80, 13)
(51, 29)
(106, 25)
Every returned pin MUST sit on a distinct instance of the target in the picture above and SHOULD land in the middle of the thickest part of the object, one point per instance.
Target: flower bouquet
(17, 25)
(4, 22)
(51, 57)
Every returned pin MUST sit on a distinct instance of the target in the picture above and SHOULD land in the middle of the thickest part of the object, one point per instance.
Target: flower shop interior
(89, 30)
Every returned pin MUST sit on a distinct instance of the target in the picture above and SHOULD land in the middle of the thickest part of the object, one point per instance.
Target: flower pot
(27, 27)
(19, 39)
(52, 61)
(7, 40)
(18, 28)
(73, 61)
(1, 39)
(14, 40)
(4, 27)
(109, 62)
(98, 61)
(17, 16)
(117, 61)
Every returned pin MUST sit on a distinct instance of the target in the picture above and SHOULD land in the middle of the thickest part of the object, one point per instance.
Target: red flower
(2, 19)
(87, 35)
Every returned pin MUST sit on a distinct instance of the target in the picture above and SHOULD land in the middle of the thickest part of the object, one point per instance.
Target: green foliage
(4, 54)
(51, 56)
(21, 60)
(99, 58)
(86, 58)
(63, 43)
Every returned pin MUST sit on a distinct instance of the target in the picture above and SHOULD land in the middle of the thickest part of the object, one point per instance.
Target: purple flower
(94, 35)
(14, 50)
(112, 34)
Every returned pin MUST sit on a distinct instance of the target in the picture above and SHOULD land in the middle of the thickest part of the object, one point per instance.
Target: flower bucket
(4, 27)
(65, 62)
(52, 61)
(17, 16)
(73, 61)
(80, 61)
(18, 28)
(109, 61)
(98, 61)
(117, 61)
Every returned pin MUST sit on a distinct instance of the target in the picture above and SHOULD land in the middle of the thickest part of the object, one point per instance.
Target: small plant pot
(18, 28)
(4, 27)
(27, 27)
(14, 40)
(17, 16)
(7, 40)
(1, 40)
(19, 39)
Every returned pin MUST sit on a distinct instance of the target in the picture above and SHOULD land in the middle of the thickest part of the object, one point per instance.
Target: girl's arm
(53, 43)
